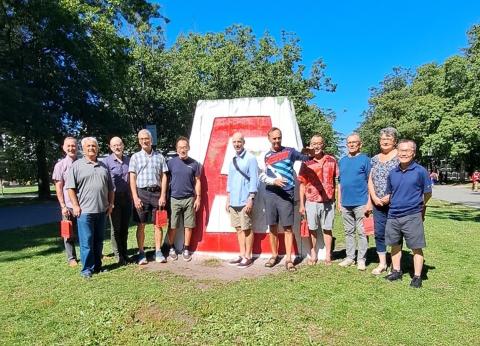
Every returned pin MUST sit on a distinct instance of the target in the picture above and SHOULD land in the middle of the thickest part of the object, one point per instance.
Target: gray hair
(89, 139)
(146, 132)
(354, 134)
(390, 132)
(413, 144)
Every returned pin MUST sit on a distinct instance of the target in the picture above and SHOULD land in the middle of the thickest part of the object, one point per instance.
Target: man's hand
(137, 202)
(339, 206)
(308, 151)
(196, 204)
(227, 205)
(385, 199)
(279, 182)
(162, 201)
(368, 209)
(65, 212)
(301, 209)
(109, 209)
(77, 211)
(249, 206)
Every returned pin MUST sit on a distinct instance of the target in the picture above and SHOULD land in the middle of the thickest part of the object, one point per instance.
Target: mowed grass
(44, 302)
(22, 195)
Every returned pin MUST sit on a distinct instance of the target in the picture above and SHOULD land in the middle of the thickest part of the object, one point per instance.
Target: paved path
(29, 215)
(457, 194)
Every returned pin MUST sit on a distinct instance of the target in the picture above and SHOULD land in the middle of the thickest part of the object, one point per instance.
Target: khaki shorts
(239, 218)
(182, 212)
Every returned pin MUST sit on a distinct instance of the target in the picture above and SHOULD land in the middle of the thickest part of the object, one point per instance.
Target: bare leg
(140, 236)
(241, 241)
(171, 236)
(288, 242)
(418, 261)
(313, 245)
(158, 237)
(248, 233)
(328, 240)
(396, 256)
(273, 236)
(188, 236)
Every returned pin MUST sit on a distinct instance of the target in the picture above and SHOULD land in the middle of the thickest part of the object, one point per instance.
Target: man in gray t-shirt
(91, 192)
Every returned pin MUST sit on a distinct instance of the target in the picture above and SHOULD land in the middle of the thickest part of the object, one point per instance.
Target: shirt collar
(410, 167)
(242, 154)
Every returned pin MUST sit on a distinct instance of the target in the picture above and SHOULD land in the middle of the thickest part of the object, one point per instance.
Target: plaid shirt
(148, 168)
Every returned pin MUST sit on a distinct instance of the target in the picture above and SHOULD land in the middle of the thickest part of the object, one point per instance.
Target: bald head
(238, 142)
(116, 146)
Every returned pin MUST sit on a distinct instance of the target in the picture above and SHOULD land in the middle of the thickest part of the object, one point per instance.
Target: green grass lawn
(44, 302)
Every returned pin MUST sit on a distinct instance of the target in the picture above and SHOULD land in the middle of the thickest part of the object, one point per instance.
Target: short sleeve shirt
(353, 178)
(60, 173)
(119, 172)
(406, 189)
(183, 174)
(319, 179)
(379, 173)
(148, 168)
(92, 182)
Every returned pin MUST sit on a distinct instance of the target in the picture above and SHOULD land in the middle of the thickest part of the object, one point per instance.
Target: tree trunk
(42, 170)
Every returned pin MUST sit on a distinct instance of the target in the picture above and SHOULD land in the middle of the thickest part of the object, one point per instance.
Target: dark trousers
(120, 221)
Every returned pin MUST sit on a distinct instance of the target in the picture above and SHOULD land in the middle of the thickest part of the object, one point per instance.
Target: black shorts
(279, 209)
(409, 227)
(150, 206)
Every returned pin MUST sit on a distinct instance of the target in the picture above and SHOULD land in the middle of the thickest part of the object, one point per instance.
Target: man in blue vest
(409, 189)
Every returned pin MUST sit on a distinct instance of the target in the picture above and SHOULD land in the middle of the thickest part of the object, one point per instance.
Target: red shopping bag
(368, 228)
(66, 229)
(161, 218)
(304, 232)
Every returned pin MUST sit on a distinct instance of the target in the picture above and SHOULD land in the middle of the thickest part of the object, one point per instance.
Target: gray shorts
(240, 219)
(320, 215)
(409, 227)
(278, 210)
(182, 212)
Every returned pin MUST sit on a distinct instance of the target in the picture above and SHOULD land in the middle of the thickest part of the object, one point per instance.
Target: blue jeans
(379, 221)
(91, 229)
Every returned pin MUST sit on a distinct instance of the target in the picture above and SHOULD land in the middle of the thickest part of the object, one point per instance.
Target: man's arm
(301, 193)
(111, 201)
(163, 192)
(133, 188)
(72, 193)
(198, 193)
(61, 199)
(339, 198)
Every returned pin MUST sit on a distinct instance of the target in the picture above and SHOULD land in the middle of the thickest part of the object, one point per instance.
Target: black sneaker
(416, 282)
(394, 275)
(235, 261)
(245, 263)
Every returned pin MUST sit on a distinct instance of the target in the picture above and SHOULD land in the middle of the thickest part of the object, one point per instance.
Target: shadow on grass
(453, 211)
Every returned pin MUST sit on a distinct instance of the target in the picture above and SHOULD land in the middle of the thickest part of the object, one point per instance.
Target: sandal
(290, 267)
(327, 263)
(271, 262)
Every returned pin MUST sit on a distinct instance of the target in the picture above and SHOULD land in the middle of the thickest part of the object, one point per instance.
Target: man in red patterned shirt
(317, 196)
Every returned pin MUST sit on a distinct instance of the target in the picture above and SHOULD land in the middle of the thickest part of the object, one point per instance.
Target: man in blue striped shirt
(241, 190)
(279, 197)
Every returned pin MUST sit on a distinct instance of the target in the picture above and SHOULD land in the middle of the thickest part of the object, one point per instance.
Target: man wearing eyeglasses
(353, 200)
(408, 189)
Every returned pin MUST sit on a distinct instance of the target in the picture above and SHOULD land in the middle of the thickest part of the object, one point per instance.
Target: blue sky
(360, 41)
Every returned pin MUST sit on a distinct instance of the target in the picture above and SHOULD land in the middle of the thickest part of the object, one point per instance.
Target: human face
(238, 143)
(275, 139)
(70, 148)
(90, 150)
(116, 146)
(353, 145)
(145, 141)
(182, 149)
(405, 153)
(316, 143)
(387, 143)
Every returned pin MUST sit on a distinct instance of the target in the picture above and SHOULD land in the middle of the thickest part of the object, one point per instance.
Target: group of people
(391, 185)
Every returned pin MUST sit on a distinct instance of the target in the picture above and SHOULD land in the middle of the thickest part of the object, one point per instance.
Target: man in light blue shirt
(241, 190)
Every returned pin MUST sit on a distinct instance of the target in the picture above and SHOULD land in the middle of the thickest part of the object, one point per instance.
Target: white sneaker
(361, 265)
(347, 262)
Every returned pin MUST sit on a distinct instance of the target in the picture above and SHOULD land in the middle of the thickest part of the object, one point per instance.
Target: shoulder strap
(238, 169)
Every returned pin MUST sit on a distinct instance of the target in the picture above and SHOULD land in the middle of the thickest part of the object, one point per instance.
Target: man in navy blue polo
(409, 189)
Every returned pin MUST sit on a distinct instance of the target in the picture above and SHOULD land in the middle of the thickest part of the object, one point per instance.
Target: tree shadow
(460, 213)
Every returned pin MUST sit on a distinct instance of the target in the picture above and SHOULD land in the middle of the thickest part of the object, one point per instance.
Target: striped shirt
(148, 168)
(279, 164)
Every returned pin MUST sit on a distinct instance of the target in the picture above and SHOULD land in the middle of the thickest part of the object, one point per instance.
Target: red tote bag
(66, 229)
(161, 218)
(368, 228)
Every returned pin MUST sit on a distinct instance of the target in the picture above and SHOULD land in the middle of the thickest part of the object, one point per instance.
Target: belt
(151, 188)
